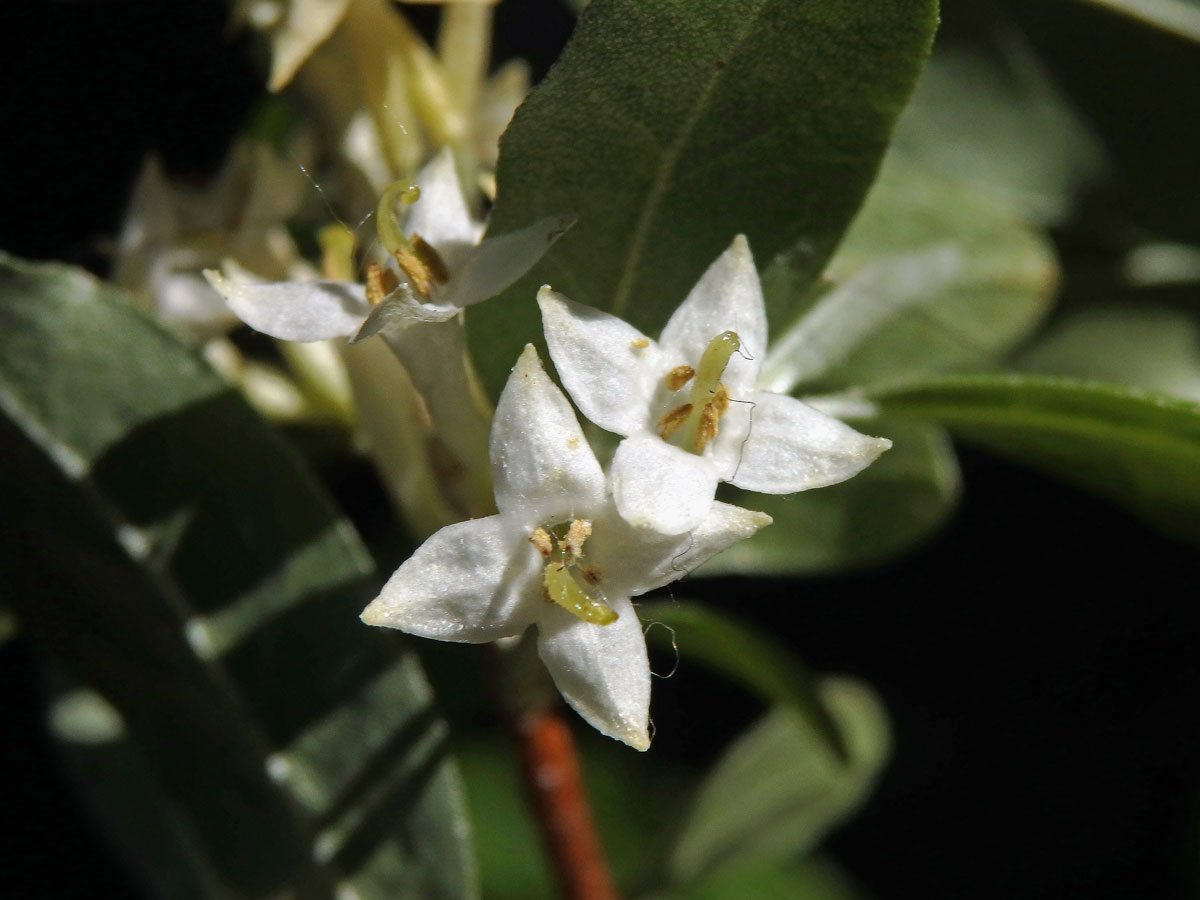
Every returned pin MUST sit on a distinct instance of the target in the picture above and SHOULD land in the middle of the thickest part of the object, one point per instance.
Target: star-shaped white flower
(557, 555)
(450, 269)
(687, 405)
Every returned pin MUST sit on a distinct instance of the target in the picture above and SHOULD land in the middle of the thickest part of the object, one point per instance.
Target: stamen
(678, 377)
(379, 283)
(671, 421)
(540, 538)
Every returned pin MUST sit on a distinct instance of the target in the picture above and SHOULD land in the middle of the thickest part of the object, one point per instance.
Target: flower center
(694, 424)
(416, 258)
(567, 579)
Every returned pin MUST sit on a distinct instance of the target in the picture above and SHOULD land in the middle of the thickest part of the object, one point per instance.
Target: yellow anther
(678, 377)
(422, 264)
(577, 535)
(540, 538)
(670, 421)
(379, 283)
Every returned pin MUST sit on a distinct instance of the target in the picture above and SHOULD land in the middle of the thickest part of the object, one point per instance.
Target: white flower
(448, 269)
(687, 405)
(557, 555)
(171, 233)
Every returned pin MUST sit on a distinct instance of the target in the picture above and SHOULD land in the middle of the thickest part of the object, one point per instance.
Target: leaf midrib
(665, 174)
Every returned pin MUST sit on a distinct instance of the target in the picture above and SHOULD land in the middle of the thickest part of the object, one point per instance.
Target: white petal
(398, 310)
(474, 581)
(440, 214)
(609, 368)
(602, 671)
(295, 311)
(658, 486)
(793, 447)
(542, 466)
(633, 561)
(728, 297)
(484, 271)
(306, 24)
(151, 217)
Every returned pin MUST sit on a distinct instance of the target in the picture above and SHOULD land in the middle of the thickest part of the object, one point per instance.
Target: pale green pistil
(567, 579)
(694, 424)
(417, 259)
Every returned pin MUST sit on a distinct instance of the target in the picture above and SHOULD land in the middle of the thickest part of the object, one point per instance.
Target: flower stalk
(555, 784)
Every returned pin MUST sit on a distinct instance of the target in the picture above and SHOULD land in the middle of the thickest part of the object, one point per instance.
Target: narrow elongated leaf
(888, 508)
(812, 879)
(1140, 449)
(1181, 17)
(778, 790)
(669, 126)
(743, 654)
(930, 278)
(170, 550)
(1136, 344)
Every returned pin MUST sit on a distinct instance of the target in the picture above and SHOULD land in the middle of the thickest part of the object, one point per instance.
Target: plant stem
(555, 785)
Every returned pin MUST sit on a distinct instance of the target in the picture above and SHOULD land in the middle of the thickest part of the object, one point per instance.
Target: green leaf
(1140, 345)
(778, 790)
(742, 654)
(670, 126)
(1181, 17)
(930, 278)
(171, 551)
(1139, 449)
(887, 509)
(988, 115)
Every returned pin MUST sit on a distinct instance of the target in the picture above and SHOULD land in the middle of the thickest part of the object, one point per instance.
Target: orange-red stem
(555, 785)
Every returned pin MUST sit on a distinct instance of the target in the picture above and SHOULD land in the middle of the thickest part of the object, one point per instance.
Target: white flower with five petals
(558, 556)
(451, 269)
(687, 406)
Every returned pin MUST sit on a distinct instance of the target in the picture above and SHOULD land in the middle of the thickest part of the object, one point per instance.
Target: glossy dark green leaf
(778, 789)
(1138, 448)
(171, 551)
(887, 509)
(669, 126)
(930, 278)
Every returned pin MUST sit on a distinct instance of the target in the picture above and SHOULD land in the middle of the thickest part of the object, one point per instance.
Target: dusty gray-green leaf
(888, 508)
(778, 790)
(1140, 345)
(929, 278)
(743, 654)
(669, 126)
(1181, 17)
(1137, 448)
(171, 551)
(991, 117)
